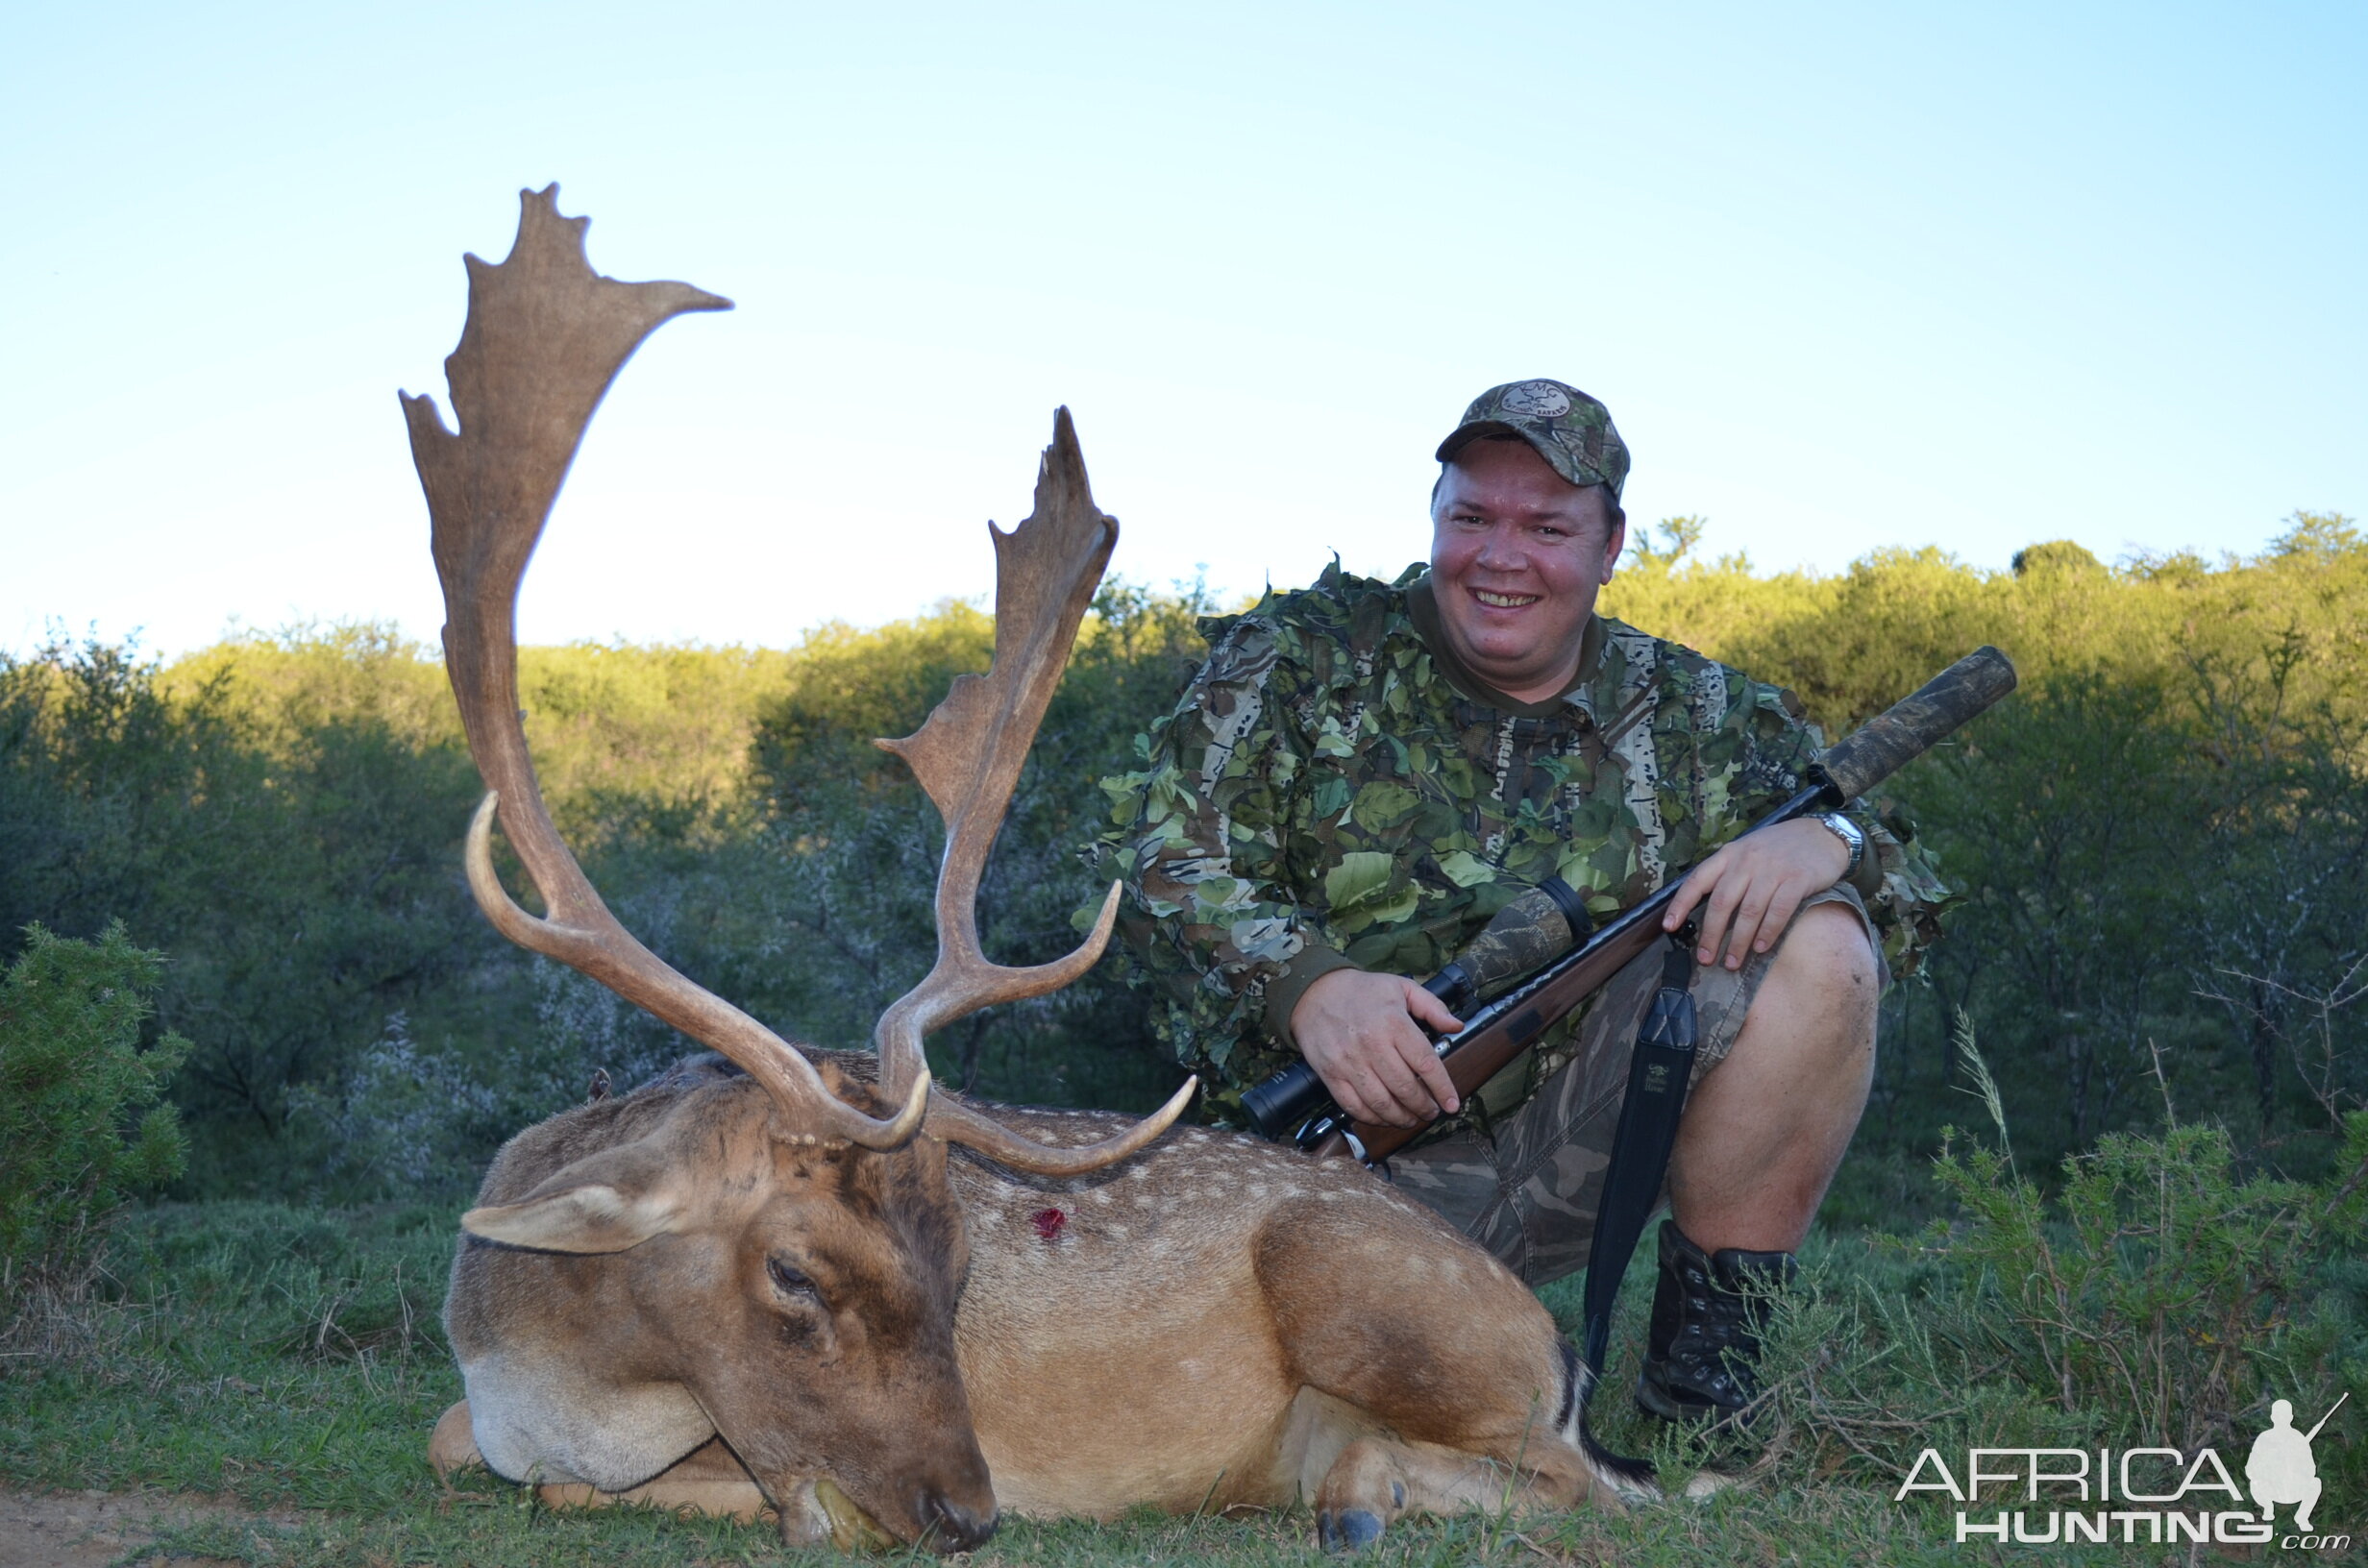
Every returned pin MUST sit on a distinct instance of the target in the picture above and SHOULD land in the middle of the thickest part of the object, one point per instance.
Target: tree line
(2158, 845)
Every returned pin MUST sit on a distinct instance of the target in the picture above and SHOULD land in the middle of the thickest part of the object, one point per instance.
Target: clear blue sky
(1849, 276)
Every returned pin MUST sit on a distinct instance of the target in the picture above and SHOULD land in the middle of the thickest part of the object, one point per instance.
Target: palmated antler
(546, 334)
(968, 756)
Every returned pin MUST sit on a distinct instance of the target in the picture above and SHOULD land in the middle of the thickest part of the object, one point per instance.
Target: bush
(136, 793)
(2165, 1285)
(82, 1126)
(2164, 1295)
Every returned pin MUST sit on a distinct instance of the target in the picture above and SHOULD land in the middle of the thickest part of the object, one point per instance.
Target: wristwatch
(1853, 839)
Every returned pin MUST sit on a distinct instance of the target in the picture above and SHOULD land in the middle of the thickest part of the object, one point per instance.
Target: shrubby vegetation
(2160, 1290)
(81, 1126)
(2159, 842)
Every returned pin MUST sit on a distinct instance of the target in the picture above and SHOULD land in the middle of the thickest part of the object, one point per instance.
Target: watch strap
(1853, 839)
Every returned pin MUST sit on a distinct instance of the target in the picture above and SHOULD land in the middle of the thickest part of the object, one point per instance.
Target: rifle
(1550, 920)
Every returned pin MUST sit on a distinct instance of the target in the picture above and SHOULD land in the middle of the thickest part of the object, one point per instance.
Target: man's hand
(1360, 1031)
(1750, 889)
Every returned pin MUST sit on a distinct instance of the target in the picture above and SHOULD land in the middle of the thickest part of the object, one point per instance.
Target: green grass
(291, 1361)
(269, 1354)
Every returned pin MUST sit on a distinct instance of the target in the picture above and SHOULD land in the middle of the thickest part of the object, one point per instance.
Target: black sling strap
(1658, 1076)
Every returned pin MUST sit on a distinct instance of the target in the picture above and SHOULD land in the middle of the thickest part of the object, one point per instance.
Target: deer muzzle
(944, 1525)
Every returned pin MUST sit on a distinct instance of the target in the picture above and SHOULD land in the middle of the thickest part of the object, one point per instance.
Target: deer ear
(606, 1202)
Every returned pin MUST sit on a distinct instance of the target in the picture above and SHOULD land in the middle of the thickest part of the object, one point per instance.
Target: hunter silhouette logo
(2281, 1469)
(2137, 1496)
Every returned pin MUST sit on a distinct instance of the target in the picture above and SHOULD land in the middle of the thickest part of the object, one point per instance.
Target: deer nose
(947, 1526)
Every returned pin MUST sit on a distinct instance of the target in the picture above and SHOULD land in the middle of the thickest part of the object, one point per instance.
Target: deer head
(792, 1259)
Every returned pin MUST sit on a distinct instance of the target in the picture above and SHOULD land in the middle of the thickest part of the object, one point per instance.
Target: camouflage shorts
(1528, 1190)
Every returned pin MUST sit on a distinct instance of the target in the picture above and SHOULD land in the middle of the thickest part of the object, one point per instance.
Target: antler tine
(957, 1123)
(968, 756)
(545, 336)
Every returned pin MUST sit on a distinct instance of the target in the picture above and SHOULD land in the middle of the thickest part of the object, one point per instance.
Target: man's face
(1518, 554)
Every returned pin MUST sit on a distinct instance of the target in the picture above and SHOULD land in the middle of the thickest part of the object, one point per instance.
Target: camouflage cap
(1569, 430)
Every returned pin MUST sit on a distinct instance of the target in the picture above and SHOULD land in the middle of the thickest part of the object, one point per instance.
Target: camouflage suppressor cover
(1914, 725)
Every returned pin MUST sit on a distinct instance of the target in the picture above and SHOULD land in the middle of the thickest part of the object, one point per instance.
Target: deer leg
(708, 1480)
(454, 1445)
(1384, 1309)
(1376, 1481)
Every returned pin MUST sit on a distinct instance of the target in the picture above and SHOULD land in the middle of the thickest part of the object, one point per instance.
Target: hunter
(1363, 772)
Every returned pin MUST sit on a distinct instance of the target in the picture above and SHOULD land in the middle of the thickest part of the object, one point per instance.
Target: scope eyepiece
(1285, 1100)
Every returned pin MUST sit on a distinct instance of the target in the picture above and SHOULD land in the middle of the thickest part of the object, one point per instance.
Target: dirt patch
(91, 1530)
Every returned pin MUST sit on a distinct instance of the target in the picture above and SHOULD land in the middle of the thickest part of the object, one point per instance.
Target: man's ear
(606, 1202)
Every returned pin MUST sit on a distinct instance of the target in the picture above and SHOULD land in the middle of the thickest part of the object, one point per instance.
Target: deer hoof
(1350, 1529)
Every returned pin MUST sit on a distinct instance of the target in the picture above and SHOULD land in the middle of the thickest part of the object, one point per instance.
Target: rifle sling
(1658, 1076)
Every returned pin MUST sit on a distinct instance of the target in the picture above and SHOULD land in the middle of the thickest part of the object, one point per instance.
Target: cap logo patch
(1536, 400)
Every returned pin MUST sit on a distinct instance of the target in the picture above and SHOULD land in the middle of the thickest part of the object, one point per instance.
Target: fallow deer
(814, 1280)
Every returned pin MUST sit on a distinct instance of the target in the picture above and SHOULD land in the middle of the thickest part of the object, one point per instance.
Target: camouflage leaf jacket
(1333, 789)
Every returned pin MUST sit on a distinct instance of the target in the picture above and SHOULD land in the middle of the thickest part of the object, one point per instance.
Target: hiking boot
(1708, 1311)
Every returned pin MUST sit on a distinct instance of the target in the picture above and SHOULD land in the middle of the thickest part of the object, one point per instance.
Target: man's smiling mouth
(1504, 601)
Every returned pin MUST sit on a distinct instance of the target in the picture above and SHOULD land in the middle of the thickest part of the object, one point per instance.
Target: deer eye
(790, 1280)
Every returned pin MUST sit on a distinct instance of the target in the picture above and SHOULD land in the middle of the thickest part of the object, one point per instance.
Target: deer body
(1216, 1321)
